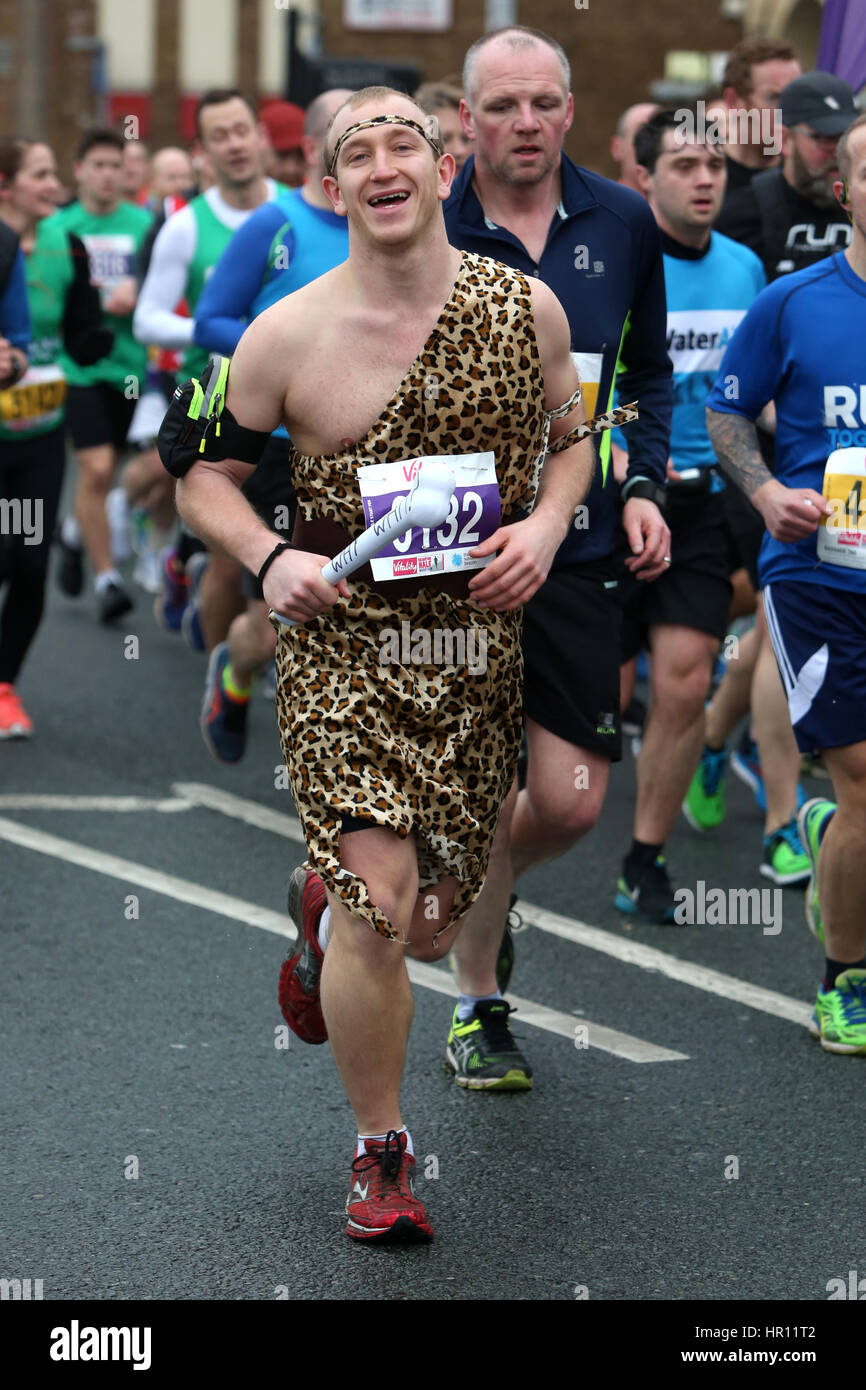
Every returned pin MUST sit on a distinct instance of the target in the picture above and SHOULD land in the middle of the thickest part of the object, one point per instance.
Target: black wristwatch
(644, 487)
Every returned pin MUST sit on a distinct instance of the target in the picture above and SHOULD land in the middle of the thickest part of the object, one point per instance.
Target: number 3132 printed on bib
(474, 515)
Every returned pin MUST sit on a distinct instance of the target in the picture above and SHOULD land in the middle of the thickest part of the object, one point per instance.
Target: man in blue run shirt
(682, 617)
(801, 345)
(520, 200)
(282, 247)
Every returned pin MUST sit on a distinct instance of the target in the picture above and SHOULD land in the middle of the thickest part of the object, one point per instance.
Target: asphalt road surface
(685, 1138)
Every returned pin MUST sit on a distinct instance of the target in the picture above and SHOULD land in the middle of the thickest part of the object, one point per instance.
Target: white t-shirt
(155, 321)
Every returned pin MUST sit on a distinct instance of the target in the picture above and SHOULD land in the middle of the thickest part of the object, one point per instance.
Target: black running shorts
(571, 646)
(745, 532)
(695, 590)
(97, 415)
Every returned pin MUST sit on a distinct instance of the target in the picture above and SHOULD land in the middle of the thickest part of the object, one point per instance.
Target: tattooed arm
(789, 513)
(735, 441)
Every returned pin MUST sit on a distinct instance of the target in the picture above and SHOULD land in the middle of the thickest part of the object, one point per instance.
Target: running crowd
(397, 279)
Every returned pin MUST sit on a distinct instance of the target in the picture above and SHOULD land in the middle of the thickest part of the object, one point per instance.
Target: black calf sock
(187, 546)
(832, 968)
(641, 855)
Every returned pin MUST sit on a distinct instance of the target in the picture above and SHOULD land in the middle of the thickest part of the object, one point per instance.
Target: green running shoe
(704, 806)
(812, 823)
(785, 860)
(839, 1019)
(481, 1051)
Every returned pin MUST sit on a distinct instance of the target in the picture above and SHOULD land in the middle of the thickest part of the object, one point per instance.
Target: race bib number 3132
(474, 515)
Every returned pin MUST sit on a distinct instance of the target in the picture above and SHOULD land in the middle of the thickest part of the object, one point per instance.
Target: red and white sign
(429, 16)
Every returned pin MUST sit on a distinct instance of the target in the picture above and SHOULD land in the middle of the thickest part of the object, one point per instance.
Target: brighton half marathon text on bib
(842, 535)
(473, 516)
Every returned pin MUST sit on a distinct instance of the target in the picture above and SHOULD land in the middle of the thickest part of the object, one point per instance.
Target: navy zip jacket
(603, 261)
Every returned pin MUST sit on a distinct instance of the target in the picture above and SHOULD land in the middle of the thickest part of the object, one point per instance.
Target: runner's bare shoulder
(269, 355)
(277, 344)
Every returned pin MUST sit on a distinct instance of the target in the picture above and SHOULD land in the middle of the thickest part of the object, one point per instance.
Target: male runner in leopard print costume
(399, 771)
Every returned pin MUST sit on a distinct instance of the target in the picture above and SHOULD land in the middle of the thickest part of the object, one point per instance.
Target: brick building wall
(47, 92)
(616, 49)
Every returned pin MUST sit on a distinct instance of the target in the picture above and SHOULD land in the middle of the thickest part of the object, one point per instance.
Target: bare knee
(566, 813)
(682, 692)
(368, 948)
(97, 475)
(432, 935)
(395, 898)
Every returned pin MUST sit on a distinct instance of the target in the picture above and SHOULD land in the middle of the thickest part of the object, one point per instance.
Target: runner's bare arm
(209, 498)
(527, 548)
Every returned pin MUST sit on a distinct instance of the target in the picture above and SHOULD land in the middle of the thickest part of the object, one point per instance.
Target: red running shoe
(381, 1205)
(299, 977)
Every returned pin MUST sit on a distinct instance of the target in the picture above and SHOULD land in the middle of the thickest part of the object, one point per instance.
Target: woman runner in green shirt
(65, 314)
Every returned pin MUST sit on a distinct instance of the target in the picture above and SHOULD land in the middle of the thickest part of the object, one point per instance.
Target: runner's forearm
(565, 481)
(735, 440)
(212, 505)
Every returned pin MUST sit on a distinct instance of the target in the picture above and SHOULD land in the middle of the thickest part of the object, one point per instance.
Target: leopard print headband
(431, 134)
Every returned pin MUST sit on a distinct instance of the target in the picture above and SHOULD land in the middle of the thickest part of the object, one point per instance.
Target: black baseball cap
(819, 100)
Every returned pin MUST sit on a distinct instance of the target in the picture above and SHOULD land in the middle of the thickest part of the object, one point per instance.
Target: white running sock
(362, 1148)
(466, 1003)
(69, 532)
(324, 928)
(102, 581)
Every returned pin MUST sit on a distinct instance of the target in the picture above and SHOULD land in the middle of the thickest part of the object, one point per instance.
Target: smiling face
(387, 179)
(33, 192)
(518, 113)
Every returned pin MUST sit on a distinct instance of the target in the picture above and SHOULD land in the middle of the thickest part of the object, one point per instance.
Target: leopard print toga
(424, 749)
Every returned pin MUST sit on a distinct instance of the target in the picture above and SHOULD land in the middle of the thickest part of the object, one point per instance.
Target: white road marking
(649, 958)
(564, 1025)
(16, 801)
(143, 877)
(129, 872)
(239, 808)
(571, 929)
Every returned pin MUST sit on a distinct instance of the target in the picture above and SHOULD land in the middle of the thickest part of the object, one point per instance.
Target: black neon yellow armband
(198, 425)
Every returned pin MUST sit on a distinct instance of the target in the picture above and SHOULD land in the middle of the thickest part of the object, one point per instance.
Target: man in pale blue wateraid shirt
(710, 282)
(801, 344)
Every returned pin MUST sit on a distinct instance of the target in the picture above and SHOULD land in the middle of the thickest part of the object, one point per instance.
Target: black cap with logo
(819, 100)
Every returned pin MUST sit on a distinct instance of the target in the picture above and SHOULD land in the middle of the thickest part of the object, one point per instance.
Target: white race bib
(474, 515)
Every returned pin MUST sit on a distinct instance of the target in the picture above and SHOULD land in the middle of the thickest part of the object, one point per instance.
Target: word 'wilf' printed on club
(729, 907)
(439, 647)
(22, 517)
(77, 1343)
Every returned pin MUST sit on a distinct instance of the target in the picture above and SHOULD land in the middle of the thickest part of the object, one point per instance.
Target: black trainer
(481, 1051)
(646, 891)
(70, 571)
(114, 601)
